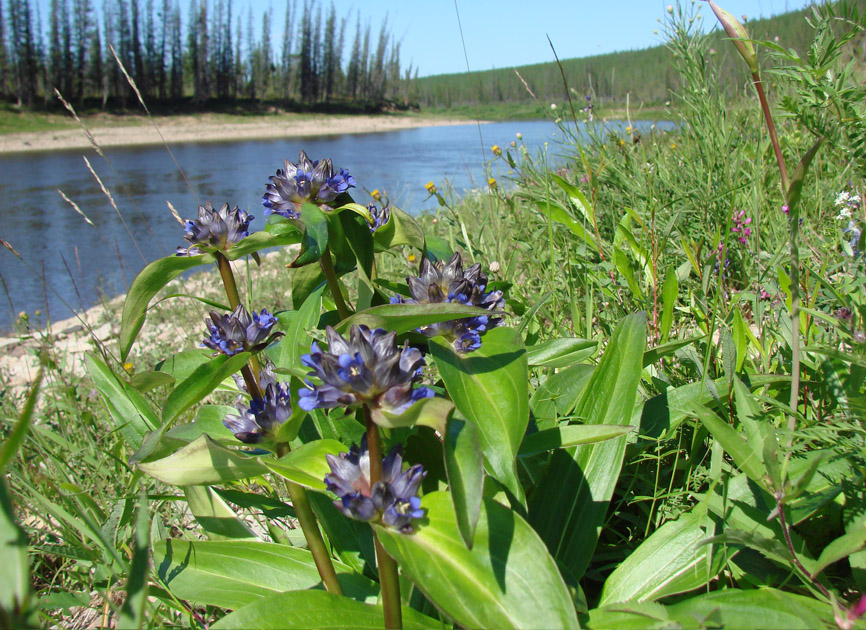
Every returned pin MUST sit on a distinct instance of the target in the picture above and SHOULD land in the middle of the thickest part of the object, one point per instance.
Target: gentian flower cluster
(259, 421)
(239, 331)
(304, 182)
(367, 369)
(215, 229)
(391, 502)
(380, 217)
(441, 282)
(741, 226)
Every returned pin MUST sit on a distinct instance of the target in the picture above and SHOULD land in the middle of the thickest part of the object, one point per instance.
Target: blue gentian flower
(447, 282)
(392, 502)
(239, 331)
(260, 420)
(304, 182)
(367, 369)
(380, 217)
(215, 229)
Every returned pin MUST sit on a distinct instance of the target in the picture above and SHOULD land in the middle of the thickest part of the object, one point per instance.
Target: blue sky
(504, 33)
(500, 33)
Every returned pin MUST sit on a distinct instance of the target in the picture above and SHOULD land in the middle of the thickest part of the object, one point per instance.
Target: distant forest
(217, 56)
(646, 76)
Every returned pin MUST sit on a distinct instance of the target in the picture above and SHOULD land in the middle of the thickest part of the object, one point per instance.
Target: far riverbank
(108, 131)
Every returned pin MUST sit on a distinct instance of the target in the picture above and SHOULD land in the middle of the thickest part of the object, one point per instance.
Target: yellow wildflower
(431, 188)
(491, 182)
(376, 195)
(411, 258)
(496, 150)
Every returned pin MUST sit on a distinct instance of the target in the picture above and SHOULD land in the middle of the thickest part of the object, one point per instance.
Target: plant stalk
(333, 284)
(389, 580)
(795, 254)
(315, 542)
(297, 493)
(789, 543)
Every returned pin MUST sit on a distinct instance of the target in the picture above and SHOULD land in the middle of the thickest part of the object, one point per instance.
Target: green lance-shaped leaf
(436, 248)
(672, 560)
(315, 239)
(669, 300)
(216, 518)
(133, 608)
(561, 352)
(427, 412)
(573, 494)
(559, 393)
(297, 326)
(14, 439)
(762, 609)
(203, 380)
(557, 213)
(146, 285)
(203, 462)
(748, 457)
(798, 178)
(507, 580)
(235, 573)
(490, 388)
(129, 410)
(401, 229)
(566, 435)
(464, 466)
(316, 609)
(402, 318)
(263, 240)
(739, 35)
(15, 585)
(307, 465)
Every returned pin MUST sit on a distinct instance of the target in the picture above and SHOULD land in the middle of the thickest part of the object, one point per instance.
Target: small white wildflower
(494, 266)
(844, 213)
(842, 198)
(553, 106)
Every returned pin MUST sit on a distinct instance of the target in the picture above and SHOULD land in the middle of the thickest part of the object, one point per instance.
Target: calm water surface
(73, 262)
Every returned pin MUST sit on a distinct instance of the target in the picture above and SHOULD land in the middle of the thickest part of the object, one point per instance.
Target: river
(68, 263)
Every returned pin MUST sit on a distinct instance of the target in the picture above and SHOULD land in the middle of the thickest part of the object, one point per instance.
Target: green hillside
(646, 76)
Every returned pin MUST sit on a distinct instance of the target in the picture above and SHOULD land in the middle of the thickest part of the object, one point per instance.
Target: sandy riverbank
(209, 128)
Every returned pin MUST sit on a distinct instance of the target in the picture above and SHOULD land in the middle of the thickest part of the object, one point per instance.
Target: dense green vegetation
(646, 76)
(681, 385)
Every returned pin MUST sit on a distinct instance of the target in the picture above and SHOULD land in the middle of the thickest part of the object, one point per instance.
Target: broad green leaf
(671, 561)
(181, 365)
(215, 516)
(566, 435)
(15, 585)
(296, 325)
(402, 318)
(577, 197)
(131, 412)
(232, 574)
(315, 239)
(261, 240)
(507, 580)
(146, 285)
(669, 300)
(304, 282)
(559, 353)
(464, 466)
(208, 421)
(490, 388)
(559, 393)
(631, 616)
(316, 609)
(351, 540)
(203, 462)
(436, 248)
(203, 380)
(427, 412)
(572, 496)
(150, 379)
(764, 609)
(307, 465)
(401, 229)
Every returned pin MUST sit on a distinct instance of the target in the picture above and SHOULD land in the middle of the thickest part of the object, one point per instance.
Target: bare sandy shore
(209, 128)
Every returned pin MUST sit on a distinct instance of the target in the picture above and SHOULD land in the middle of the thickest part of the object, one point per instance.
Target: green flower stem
(333, 283)
(389, 580)
(315, 542)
